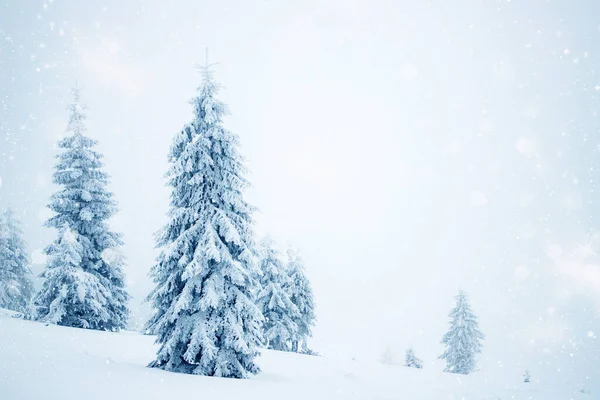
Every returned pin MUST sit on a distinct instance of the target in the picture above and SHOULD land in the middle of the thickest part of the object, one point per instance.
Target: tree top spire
(206, 69)
(76, 112)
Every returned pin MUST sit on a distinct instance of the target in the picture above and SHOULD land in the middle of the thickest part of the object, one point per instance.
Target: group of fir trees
(462, 341)
(83, 283)
(218, 297)
(285, 299)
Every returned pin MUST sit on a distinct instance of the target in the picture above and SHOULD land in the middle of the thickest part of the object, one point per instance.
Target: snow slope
(52, 362)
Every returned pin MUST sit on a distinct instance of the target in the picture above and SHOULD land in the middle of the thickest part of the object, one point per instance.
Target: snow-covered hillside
(40, 361)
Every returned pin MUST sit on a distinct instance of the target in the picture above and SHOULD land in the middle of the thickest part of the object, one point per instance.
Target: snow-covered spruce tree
(526, 376)
(83, 205)
(280, 328)
(70, 294)
(463, 340)
(412, 361)
(301, 294)
(16, 287)
(204, 316)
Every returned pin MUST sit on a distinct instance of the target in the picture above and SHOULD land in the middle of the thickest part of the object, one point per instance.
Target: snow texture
(73, 364)
(204, 316)
(80, 288)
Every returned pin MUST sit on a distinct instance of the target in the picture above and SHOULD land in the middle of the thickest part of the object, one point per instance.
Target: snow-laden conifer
(16, 287)
(70, 295)
(83, 206)
(301, 294)
(280, 313)
(204, 315)
(464, 339)
(412, 361)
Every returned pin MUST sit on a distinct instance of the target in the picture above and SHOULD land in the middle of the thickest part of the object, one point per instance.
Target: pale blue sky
(406, 148)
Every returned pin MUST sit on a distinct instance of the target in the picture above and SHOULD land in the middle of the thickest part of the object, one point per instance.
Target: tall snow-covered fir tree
(463, 340)
(82, 207)
(412, 361)
(280, 328)
(16, 287)
(204, 317)
(301, 294)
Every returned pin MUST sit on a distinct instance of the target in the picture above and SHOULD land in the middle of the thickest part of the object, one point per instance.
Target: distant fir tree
(204, 316)
(387, 357)
(526, 376)
(280, 313)
(463, 340)
(301, 294)
(412, 361)
(16, 287)
(82, 206)
(309, 352)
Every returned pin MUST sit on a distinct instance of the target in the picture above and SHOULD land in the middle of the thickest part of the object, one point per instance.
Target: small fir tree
(308, 351)
(412, 361)
(70, 295)
(387, 357)
(526, 376)
(83, 205)
(463, 340)
(204, 316)
(16, 287)
(280, 313)
(301, 294)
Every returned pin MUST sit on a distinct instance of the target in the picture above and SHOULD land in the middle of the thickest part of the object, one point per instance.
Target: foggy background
(406, 148)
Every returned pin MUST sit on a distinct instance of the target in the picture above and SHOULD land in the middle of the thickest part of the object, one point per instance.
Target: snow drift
(39, 361)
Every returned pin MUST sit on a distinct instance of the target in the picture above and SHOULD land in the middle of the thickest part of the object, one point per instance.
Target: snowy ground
(51, 362)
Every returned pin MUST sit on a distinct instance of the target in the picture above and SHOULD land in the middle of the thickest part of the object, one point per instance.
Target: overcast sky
(406, 148)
